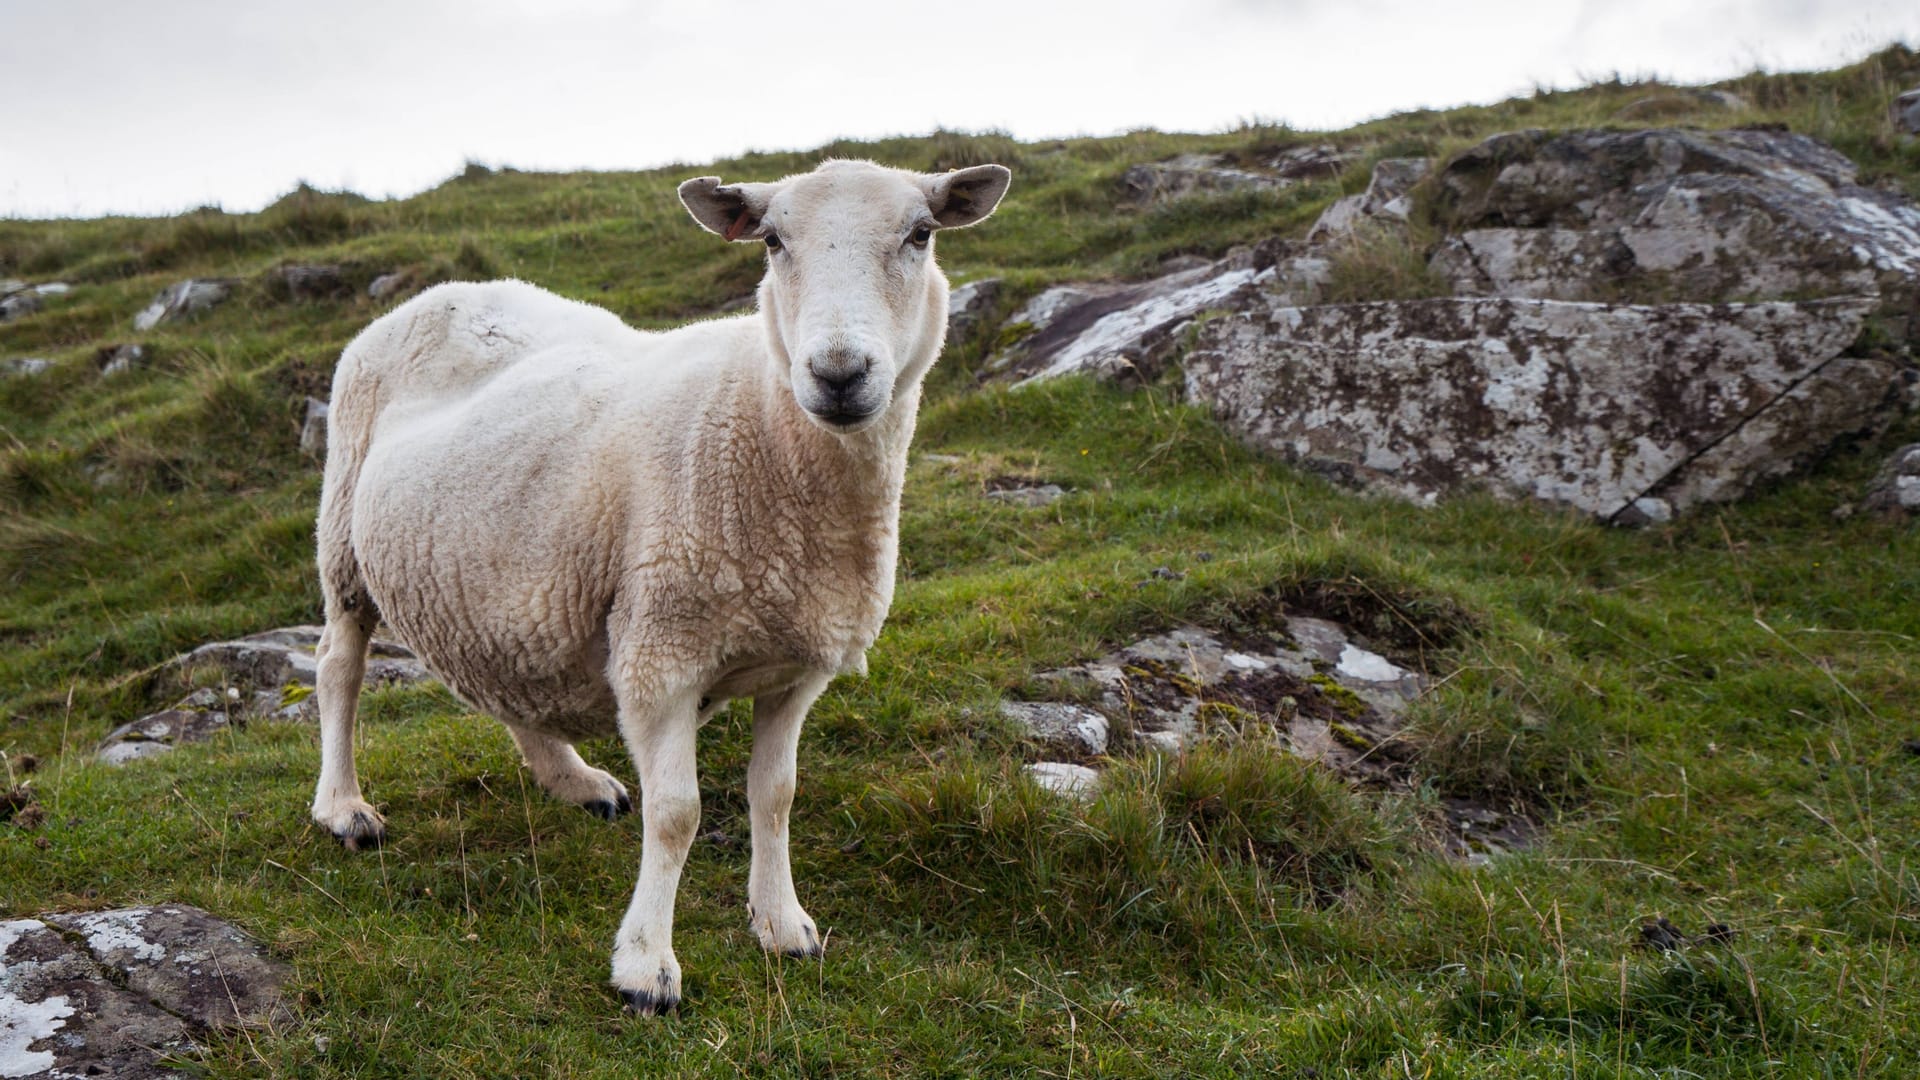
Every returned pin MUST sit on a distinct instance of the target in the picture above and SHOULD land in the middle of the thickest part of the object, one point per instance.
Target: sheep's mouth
(843, 420)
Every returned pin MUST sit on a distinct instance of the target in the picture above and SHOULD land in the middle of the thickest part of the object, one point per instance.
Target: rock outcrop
(1590, 405)
(19, 299)
(105, 993)
(1896, 488)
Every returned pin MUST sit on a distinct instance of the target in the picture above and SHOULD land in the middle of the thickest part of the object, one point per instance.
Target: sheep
(583, 528)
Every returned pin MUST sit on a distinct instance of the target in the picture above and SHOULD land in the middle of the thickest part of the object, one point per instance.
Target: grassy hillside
(1715, 719)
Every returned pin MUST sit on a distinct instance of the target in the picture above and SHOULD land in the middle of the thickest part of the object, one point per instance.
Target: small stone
(1066, 780)
(388, 285)
(18, 305)
(25, 365)
(1074, 729)
(182, 299)
(119, 359)
(313, 429)
(1032, 498)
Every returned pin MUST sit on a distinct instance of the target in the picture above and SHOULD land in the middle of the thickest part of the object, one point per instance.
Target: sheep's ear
(964, 196)
(732, 210)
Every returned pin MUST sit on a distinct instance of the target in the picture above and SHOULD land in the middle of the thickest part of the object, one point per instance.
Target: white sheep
(584, 528)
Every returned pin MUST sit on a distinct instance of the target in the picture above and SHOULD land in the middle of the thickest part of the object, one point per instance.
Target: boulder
(18, 304)
(1388, 198)
(1896, 489)
(197, 718)
(1679, 101)
(105, 994)
(1322, 161)
(1590, 405)
(1030, 496)
(1065, 779)
(24, 365)
(1673, 215)
(183, 299)
(313, 429)
(1906, 112)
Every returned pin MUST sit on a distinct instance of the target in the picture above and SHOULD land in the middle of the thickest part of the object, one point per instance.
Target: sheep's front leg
(342, 662)
(661, 738)
(778, 919)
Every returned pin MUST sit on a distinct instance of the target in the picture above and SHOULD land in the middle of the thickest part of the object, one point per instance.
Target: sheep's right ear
(732, 210)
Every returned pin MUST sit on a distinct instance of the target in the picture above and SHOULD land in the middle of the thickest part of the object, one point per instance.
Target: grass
(1712, 717)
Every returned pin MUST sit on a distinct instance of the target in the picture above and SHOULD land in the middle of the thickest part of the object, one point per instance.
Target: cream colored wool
(583, 528)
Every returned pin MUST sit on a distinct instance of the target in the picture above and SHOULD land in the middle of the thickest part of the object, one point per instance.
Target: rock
(1321, 162)
(308, 282)
(1070, 729)
(968, 305)
(182, 299)
(1680, 102)
(266, 677)
(24, 365)
(119, 359)
(1896, 490)
(1643, 512)
(1906, 112)
(18, 305)
(1031, 497)
(1119, 332)
(198, 718)
(1066, 780)
(1558, 401)
(1191, 174)
(313, 429)
(387, 285)
(124, 988)
(1672, 214)
(1388, 198)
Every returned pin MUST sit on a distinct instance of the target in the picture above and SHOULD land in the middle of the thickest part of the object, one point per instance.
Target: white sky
(144, 107)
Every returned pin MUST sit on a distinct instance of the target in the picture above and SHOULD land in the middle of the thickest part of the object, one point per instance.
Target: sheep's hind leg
(661, 738)
(558, 768)
(782, 925)
(337, 804)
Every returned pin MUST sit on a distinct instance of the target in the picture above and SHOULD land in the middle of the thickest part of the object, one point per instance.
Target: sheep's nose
(841, 373)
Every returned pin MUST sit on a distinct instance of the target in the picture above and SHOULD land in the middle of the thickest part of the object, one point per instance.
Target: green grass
(1710, 716)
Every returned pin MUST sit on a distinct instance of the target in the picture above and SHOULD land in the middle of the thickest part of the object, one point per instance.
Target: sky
(146, 108)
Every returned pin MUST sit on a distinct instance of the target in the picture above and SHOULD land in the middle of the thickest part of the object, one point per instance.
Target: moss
(1344, 699)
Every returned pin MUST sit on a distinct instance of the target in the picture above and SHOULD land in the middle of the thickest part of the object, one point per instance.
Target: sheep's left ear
(732, 210)
(964, 196)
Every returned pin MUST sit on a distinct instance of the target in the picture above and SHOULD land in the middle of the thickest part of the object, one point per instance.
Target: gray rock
(1558, 401)
(183, 299)
(119, 359)
(1192, 174)
(309, 282)
(1388, 199)
(1119, 332)
(1896, 489)
(120, 988)
(313, 429)
(24, 365)
(1673, 214)
(1067, 780)
(1681, 101)
(266, 677)
(1320, 162)
(968, 305)
(18, 305)
(1070, 729)
(387, 285)
(1906, 112)
(1032, 497)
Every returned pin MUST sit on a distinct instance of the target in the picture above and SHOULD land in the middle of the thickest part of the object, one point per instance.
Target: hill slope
(1714, 720)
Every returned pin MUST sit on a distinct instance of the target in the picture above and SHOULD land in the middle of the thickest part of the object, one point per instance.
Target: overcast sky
(142, 107)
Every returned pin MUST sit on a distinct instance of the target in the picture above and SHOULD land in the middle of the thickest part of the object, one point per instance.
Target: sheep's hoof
(607, 810)
(794, 936)
(812, 950)
(656, 1002)
(363, 833)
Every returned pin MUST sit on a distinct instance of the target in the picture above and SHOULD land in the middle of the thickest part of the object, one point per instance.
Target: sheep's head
(854, 304)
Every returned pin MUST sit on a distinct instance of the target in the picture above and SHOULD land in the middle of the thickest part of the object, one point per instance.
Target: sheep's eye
(920, 236)
(773, 242)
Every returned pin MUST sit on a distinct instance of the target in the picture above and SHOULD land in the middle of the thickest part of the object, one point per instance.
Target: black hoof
(607, 810)
(364, 834)
(647, 1003)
